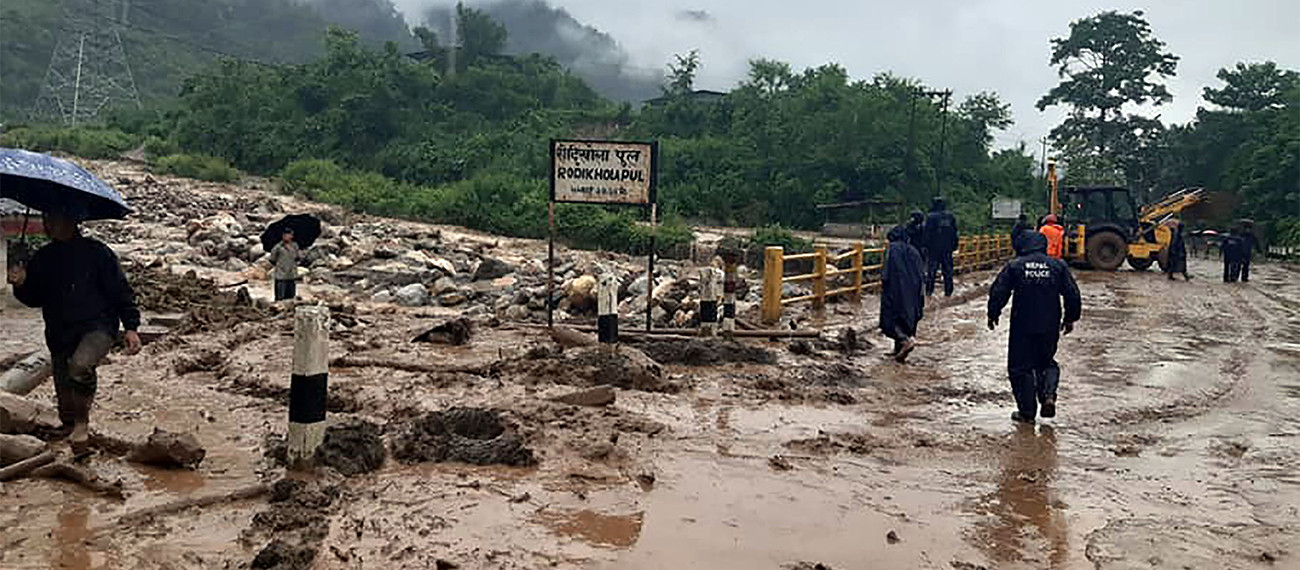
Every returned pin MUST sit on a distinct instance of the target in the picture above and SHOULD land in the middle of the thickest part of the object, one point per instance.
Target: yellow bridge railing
(973, 253)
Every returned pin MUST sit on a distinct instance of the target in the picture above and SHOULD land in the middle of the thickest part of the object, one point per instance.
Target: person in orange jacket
(1055, 237)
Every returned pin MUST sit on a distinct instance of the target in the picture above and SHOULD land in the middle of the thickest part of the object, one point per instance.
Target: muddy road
(1177, 445)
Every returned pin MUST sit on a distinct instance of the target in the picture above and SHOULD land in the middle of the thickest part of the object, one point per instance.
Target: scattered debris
(455, 332)
(779, 463)
(594, 397)
(700, 352)
(352, 448)
(468, 435)
(167, 449)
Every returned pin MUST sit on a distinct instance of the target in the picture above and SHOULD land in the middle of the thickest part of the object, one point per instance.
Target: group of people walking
(1046, 298)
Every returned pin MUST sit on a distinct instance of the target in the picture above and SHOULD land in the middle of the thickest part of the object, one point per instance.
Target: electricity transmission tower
(88, 71)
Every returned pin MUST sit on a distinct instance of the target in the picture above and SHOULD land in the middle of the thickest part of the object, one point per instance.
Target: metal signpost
(607, 173)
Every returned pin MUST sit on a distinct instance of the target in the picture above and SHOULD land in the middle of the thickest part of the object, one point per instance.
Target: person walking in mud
(284, 261)
(1176, 256)
(916, 231)
(1230, 249)
(84, 298)
(940, 239)
(1039, 284)
(1249, 245)
(902, 302)
(1022, 226)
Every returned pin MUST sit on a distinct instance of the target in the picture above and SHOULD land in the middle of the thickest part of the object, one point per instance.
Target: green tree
(1108, 61)
(1253, 87)
(480, 36)
(681, 73)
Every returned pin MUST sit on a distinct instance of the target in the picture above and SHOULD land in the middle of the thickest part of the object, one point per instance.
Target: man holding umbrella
(76, 281)
(285, 240)
(284, 261)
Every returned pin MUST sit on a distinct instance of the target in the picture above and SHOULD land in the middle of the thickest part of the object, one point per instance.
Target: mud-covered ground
(1177, 445)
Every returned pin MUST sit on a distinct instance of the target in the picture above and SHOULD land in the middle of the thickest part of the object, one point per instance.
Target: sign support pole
(650, 290)
(550, 265)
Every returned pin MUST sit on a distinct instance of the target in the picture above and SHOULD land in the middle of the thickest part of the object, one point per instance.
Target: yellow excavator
(1104, 227)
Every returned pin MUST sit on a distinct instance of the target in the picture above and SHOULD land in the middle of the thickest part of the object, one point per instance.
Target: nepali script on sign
(602, 172)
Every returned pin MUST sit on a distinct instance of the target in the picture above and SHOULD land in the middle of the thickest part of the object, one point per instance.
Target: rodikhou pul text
(602, 172)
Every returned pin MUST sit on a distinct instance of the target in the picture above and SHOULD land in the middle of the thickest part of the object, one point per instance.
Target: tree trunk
(26, 466)
(27, 374)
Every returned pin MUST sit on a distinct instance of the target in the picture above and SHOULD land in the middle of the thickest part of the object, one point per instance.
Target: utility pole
(88, 70)
(946, 94)
(943, 141)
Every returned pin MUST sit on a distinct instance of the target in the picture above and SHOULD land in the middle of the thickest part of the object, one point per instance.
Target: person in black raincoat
(901, 301)
(1249, 245)
(940, 239)
(1231, 249)
(916, 231)
(1176, 256)
(84, 297)
(1022, 226)
(1039, 284)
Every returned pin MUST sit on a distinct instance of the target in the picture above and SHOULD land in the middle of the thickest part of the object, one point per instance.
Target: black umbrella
(43, 182)
(306, 228)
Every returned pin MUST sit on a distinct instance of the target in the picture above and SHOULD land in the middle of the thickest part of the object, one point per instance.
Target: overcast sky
(966, 45)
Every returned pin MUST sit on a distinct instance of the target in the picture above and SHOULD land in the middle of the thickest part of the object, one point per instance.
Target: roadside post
(308, 384)
(603, 173)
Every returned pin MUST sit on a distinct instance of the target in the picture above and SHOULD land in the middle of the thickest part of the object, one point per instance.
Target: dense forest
(402, 123)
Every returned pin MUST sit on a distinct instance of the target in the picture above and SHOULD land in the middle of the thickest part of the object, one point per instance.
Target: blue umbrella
(43, 182)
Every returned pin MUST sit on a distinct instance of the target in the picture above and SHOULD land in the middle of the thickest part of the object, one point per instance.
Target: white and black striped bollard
(710, 283)
(308, 386)
(729, 296)
(607, 310)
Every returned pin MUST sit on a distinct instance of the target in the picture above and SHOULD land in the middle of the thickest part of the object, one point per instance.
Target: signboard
(1006, 209)
(603, 172)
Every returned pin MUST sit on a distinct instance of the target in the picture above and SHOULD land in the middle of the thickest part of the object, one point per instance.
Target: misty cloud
(695, 15)
(535, 26)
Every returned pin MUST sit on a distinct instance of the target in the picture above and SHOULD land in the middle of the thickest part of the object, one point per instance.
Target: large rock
(167, 449)
(593, 397)
(384, 296)
(412, 295)
(639, 286)
(582, 293)
(492, 268)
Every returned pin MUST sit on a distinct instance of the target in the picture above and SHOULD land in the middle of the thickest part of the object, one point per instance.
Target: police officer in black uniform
(1039, 283)
(941, 240)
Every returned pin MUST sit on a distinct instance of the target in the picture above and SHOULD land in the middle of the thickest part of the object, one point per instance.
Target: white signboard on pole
(603, 172)
(1006, 209)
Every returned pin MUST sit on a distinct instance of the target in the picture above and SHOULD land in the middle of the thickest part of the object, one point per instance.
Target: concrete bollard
(607, 310)
(308, 385)
(729, 282)
(710, 287)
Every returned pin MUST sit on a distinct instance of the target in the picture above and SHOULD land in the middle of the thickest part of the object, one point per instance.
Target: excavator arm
(1171, 205)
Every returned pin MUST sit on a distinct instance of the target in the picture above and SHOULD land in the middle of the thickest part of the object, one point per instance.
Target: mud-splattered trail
(1177, 445)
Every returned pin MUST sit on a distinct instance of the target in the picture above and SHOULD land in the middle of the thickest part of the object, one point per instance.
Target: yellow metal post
(819, 276)
(858, 259)
(773, 271)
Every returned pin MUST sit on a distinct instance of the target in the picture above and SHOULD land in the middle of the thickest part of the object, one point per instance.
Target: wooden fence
(973, 253)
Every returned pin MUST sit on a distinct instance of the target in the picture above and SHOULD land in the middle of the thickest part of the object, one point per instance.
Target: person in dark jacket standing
(84, 297)
(902, 303)
(1176, 256)
(940, 238)
(1249, 245)
(1231, 249)
(1022, 226)
(1039, 284)
(284, 263)
(916, 231)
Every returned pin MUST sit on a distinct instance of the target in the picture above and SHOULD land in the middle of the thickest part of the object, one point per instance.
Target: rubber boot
(80, 437)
